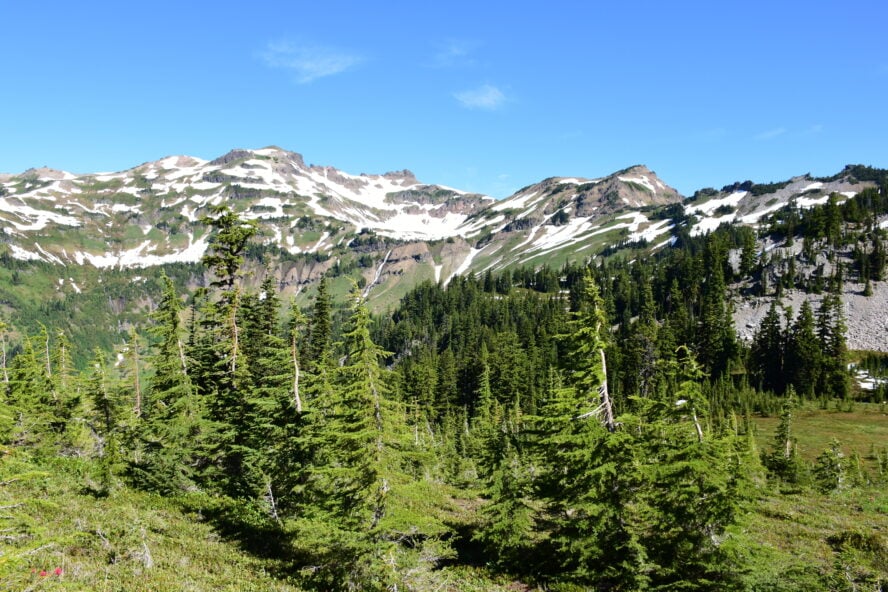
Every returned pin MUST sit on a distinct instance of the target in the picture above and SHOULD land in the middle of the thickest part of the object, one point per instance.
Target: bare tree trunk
(296, 399)
(697, 425)
(48, 358)
(182, 356)
(606, 404)
(235, 343)
(3, 358)
(137, 383)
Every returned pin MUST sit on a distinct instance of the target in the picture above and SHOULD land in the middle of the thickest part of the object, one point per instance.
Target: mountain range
(392, 229)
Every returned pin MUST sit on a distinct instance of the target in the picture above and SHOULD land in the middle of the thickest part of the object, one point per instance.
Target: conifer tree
(175, 432)
(830, 469)
(226, 247)
(834, 380)
(692, 488)
(587, 475)
(104, 421)
(350, 520)
(320, 345)
(767, 352)
(784, 461)
(30, 399)
(716, 340)
(802, 360)
(271, 411)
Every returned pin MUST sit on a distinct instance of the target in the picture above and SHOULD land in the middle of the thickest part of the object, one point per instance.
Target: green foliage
(831, 470)
(549, 424)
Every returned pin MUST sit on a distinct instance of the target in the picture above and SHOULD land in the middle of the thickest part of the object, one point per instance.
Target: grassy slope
(798, 538)
(805, 536)
(129, 540)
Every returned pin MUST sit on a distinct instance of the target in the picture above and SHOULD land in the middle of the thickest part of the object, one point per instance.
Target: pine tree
(693, 487)
(831, 470)
(716, 339)
(30, 400)
(104, 420)
(271, 411)
(175, 432)
(319, 353)
(834, 379)
(767, 352)
(784, 461)
(357, 493)
(587, 466)
(802, 360)
(226, 247)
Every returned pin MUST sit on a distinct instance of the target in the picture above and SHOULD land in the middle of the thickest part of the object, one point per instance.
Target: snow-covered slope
(572, 217)
(391, 228)
(748, 203)
(151, 214)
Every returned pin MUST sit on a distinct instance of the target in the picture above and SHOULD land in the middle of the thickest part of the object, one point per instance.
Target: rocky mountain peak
(403, 175)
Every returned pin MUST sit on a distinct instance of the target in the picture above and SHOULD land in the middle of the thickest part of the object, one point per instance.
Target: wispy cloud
(485, 97)
(771, 134)
(815, 129)
(308, 62)
(454, 53)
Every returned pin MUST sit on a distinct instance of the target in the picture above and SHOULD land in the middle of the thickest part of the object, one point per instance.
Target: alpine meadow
(299, 379)
(443, 297)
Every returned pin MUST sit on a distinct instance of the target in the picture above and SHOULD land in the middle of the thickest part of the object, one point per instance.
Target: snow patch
(709, 224)
(138, 257)
(812, 187)
(466, 263)
(642, 180)
(23, 255)
(713, 204)
(518, 201)
(807, 202)
(34, 219)
(651, 232)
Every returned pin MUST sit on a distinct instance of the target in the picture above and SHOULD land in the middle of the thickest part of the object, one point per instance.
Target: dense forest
(587, 427)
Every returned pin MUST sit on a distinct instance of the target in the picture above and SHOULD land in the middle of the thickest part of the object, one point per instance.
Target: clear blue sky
(484, 96)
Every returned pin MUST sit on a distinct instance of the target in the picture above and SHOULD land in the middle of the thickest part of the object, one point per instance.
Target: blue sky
(484, 96)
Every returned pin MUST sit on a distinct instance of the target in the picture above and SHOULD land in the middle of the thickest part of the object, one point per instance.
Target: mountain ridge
(391, 226)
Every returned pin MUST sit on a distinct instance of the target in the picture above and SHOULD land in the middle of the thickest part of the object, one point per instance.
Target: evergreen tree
(319, 353)
(175, 432)
(271, 411)
(834, 379)
(784, 461)
(104, 420)
(831, 469)
(226, 247)
(693, 487)
(716, 339)
(767, 352)
(357, 488)
(29, 396)
(802, 360)
(587, 466)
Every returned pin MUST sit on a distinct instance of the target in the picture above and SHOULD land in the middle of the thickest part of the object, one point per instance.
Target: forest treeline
(593, 422)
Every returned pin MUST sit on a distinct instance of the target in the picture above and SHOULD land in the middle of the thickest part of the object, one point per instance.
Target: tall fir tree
(802, 360)
(766, 354)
